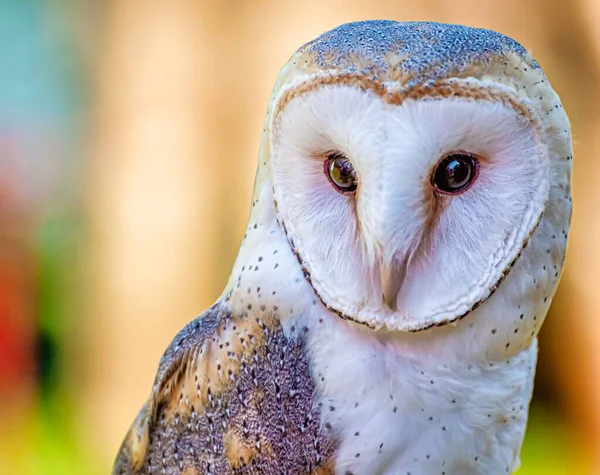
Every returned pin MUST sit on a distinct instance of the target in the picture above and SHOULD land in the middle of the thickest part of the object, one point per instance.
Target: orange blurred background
(128, 137)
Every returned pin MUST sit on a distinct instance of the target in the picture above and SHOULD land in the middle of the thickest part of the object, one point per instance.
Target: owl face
(409, 202)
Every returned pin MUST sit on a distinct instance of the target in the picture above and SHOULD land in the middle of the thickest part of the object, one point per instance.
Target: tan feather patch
(213, 368)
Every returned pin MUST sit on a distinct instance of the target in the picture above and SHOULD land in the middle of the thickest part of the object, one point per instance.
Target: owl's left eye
(455, 173)
(340, 172)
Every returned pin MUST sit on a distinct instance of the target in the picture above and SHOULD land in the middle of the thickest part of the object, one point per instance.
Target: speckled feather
(256, 414)
(428, 50)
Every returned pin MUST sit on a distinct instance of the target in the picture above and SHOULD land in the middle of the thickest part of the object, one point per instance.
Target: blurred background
(128, 137)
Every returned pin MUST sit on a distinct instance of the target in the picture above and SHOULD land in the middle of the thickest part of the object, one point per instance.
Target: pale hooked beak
(392, 277)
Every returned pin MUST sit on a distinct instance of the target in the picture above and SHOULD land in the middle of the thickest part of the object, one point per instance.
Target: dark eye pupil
(342, 173)
(454, 173)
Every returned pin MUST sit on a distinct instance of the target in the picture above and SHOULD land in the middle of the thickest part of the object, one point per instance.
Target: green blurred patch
(47, 446)
(40, 436)
(551, 448)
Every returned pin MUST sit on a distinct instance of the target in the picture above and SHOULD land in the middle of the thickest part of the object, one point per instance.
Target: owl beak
(392, 276)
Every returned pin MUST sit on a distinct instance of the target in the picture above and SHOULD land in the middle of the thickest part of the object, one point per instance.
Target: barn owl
(407, 232)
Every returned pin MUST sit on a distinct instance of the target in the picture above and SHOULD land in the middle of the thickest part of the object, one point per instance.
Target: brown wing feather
(232, 395)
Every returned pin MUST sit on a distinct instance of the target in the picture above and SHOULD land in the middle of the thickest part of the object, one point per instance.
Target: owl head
(416, 169)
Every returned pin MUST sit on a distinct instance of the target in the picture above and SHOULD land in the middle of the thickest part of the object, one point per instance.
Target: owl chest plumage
(398, 413)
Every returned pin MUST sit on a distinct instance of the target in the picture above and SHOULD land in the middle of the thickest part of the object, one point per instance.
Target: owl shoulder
(230, 391)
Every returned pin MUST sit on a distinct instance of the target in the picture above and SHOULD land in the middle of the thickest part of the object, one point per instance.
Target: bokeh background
(128, 136)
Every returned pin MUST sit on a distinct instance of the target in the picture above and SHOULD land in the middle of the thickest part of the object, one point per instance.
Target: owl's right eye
(340, 172)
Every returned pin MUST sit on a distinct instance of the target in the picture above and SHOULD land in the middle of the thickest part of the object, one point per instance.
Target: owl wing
(232, 395)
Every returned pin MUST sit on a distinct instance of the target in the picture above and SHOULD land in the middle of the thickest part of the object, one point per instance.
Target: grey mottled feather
(263, 422)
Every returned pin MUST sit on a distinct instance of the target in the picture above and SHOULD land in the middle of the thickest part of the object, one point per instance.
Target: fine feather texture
(343, 240)
(232, 394)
